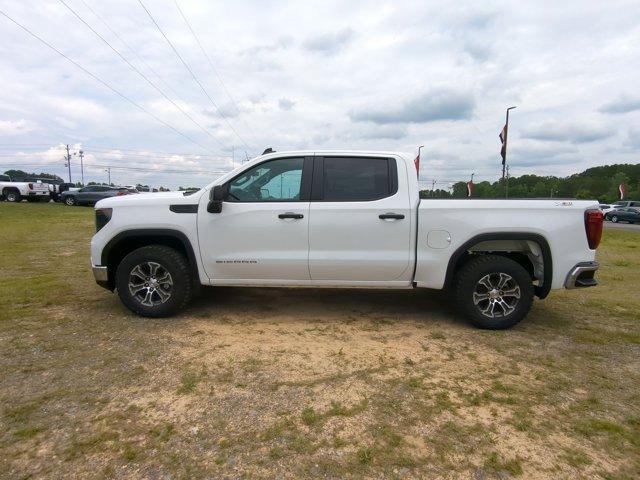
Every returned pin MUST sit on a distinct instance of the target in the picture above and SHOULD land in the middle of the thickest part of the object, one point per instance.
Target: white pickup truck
(16, 191)
(342, 219)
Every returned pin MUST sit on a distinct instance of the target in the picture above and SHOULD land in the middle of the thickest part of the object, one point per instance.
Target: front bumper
(582, 275)
(101, 274)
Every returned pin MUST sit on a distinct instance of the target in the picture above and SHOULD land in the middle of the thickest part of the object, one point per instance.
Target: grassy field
(272, 383)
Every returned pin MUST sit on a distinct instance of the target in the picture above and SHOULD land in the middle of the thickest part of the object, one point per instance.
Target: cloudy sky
(334, 75)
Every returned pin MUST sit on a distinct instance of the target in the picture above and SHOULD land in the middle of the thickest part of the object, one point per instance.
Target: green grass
(303, 383)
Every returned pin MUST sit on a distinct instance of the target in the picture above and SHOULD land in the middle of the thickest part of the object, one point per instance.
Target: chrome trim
(100, 273)
(576, 271)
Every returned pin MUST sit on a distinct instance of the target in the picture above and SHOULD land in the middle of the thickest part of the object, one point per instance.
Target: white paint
(345, 244)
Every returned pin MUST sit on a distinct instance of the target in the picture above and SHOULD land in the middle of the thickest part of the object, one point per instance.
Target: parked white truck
(342, 219)
(17, 191)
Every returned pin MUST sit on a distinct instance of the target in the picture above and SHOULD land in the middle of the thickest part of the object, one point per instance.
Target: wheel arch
(466, 251)
(126, 242)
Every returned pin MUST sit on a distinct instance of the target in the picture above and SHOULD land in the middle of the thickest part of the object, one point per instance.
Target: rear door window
(356, 179)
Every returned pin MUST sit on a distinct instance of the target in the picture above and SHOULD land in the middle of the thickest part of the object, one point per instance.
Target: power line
(195, 78)
(215, 71)
(117, 167)
(135, 69)
(140, 151)
(126, 44)
(98, 79)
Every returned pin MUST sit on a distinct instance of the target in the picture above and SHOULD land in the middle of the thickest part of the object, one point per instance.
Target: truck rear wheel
(494, 292)
(154, 281)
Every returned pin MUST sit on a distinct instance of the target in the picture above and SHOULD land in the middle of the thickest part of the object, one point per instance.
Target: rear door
(360, 224)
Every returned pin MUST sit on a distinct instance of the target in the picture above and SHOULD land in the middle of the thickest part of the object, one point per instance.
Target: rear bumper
(582, 275)
(37, 193)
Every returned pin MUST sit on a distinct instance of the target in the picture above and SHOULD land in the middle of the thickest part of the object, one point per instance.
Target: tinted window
(273, 181)
(88, 189)
(356, 179)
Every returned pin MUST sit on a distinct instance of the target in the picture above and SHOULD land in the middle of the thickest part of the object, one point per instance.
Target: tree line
(600, 183)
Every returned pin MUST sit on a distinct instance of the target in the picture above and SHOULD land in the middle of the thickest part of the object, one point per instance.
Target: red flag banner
(417, 164)
(622, 190)
(469, 189)
(503, 139)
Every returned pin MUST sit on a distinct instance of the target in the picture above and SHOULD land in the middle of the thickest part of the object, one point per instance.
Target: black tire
(70, 200)
(470, 285)
(12, 196)
(614, 219)
(169, 261)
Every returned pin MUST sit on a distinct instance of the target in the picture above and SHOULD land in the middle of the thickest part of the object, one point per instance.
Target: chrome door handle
(391, 216)
(297, 216)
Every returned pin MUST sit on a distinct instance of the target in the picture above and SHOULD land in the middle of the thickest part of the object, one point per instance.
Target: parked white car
(606, 208)
(342, 219)
(17, 191)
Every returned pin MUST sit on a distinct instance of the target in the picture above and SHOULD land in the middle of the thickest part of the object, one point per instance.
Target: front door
(360, 222)
(261, 234)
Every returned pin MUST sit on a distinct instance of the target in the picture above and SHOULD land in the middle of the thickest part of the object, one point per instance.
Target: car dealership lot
(268, 383)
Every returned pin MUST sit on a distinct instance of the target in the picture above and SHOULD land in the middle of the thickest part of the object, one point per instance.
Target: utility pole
(503, 137)
(433, 187)
(80, 153)
(67, 158)
(108, 170)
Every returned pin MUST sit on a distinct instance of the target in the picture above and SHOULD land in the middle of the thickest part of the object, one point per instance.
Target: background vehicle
(17, 191)
(342, 219)
(606, 208)
(56, 187)
(631, 215)
(91, 194)
(626, 203)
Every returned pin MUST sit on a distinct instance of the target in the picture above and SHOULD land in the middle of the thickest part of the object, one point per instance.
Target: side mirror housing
(216, 197)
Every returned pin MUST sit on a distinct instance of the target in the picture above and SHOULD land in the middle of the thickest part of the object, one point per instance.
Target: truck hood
(156, 198)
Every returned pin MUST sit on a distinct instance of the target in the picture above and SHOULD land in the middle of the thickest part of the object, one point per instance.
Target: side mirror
(216, 196)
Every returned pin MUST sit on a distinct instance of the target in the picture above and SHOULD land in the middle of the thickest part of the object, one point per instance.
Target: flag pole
(506, 134)
(417, 162)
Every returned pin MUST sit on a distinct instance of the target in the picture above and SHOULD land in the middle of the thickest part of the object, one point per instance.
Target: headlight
(103, 215)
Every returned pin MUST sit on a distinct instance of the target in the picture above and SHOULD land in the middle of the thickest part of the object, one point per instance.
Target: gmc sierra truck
(15, 191)
(342, 219)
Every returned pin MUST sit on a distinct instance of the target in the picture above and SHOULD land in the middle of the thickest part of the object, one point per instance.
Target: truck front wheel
(494, 292)
(13, 196)
(154, 281)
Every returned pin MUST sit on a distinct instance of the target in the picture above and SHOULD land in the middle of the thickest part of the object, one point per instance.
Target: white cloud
(403, 74)
(13, 127)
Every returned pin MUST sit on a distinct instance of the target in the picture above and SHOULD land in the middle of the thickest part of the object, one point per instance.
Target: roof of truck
(359, 153)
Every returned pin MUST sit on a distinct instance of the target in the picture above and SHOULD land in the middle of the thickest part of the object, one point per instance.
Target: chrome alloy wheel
(150, 283)
(496, 295)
